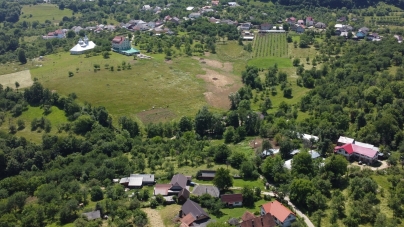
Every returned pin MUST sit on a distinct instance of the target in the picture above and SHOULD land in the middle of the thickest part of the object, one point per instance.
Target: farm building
(82, 46)
(232, 200)
(206, 189)
(137, 180)
(206, 174)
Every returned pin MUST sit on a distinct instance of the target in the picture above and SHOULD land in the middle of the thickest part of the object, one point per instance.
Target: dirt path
(22, 77)
(154, 217)
(384, 165)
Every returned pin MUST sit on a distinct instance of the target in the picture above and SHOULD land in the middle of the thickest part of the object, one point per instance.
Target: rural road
(306, 219)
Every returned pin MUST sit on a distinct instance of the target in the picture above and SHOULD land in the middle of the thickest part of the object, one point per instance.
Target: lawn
(237, 212)
(151, 87)
(266, 62)
(42, 12)
(168, 213)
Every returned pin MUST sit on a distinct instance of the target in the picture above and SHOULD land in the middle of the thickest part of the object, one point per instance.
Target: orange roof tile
(247, 216)
(277, 210)
(188, 219)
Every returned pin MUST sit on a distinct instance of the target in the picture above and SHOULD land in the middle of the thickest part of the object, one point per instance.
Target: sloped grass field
(42, 12)
(56, 117)
(149, 84)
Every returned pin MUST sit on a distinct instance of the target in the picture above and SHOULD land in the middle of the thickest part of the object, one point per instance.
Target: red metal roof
(353, 148)
(232, 198)
(277, 210)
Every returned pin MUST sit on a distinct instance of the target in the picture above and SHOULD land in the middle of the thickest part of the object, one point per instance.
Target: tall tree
(21, 56)
(223, 180)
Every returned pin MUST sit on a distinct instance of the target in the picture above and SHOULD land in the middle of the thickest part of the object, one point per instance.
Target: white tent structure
(82, 46)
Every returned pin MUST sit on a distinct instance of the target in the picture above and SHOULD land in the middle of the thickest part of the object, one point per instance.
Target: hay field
(22, 77)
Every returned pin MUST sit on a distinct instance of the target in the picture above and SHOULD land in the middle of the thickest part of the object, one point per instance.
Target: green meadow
(266, 62)
(151, 87)
(44, 12)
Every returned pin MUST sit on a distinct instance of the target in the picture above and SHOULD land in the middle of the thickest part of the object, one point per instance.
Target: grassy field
(56, 117)
(270, 45)
(266, 62)
(44, 12)
(150, 87)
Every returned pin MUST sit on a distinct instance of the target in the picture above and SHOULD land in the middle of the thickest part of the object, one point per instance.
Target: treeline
(341, 4)
(9, 11)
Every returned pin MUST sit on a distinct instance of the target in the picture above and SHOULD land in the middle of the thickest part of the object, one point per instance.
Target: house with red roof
(282, 215)
(291, 20)
(358, 151)
(309, 21)
(120, 43)
(232, 200)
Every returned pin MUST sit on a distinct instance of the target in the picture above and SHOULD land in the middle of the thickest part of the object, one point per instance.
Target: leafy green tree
(302, 164)
(236, 158)
(21, 56)
(223, 180)
(83, 124)
(273, 169)
(336, 166)
(248, 196)
(203, 121)
(185, 124)
(248, 170)
(300, 189)
(229, 134)
(222, 152)
(96, 194)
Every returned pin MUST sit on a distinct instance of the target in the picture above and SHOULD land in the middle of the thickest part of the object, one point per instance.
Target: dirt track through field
(22, 77)
(154, 217)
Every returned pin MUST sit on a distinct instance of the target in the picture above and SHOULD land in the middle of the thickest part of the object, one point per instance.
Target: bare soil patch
(219, 86)
(225, 66)
(22, 77)
(156, 115)
(154, 217)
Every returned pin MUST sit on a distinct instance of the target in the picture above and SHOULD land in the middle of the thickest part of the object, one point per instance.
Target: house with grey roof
(194, 15)
(137, 180)
(206, 189)
(92, 215)
(178, 182)
(192, 214)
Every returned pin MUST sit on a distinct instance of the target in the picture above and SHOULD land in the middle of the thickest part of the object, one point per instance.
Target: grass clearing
(266, 62)
(22, 77)
(237, 212)
(150, 84)
(42, 12)
(56, 117)
(168, 214)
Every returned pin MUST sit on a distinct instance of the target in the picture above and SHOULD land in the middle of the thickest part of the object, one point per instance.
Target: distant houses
(58, 34)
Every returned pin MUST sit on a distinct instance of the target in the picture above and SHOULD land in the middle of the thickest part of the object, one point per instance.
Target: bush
(21, 124)
(71, 74)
